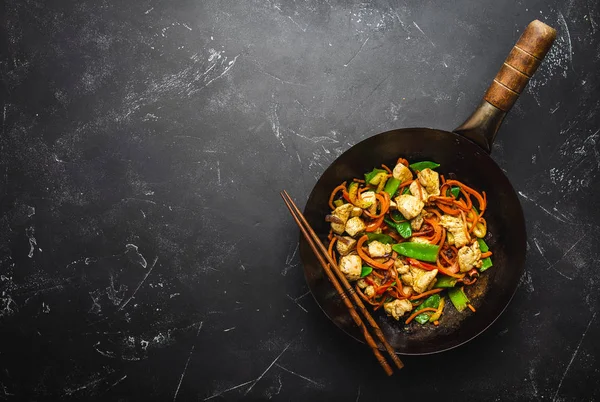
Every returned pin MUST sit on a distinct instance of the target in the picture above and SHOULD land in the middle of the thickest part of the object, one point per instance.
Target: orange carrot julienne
(334, 192)
(471, 307)
(428, 293)
(416, 313)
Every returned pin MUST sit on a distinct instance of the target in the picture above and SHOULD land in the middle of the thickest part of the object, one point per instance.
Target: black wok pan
(464, 153)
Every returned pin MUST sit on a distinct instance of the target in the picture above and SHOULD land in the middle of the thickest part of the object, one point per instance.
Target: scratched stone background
(145, 253)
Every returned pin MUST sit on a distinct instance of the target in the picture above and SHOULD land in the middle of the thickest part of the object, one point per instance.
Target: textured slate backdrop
(145, 253)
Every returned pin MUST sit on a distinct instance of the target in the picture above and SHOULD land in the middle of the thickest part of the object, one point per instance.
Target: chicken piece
(369, 291)
(362, 283)
(469, 257)
(418, 190)
(402, 173)
(393, 205)
(455, 226)
(407, 290)
(345, 244)
(341, 215)
(430, 179)
(419, 279)
(397, 308)
(409, 205)
(368, 197)
(419, 240)
(356, 211)
(378, 249)
(417, 222)
(401, 267)
(354, 226)
(351, 266)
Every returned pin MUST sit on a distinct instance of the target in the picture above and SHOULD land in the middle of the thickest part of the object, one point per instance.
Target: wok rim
(520, 268)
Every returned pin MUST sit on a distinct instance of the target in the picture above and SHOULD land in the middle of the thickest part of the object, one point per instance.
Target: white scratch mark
(229, 67)
(573, 357)
(187, 26)
(139, 285)
(556, 108)
(275, 126)
(267, 369)
(91, 383)
(358, 394)
(541, 207)
(420, 30)
(568, 251)
(298, 375)
(219, 172)
(118, 381)
(562, 17)
(550, 265)
(187, 363)
(298, 25)
(227, 390)
(229, 329)
(532, 379)
(148, 11)
(356, 54)
(296, 303)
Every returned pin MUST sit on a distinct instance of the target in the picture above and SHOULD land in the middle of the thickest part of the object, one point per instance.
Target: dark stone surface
(145, 253)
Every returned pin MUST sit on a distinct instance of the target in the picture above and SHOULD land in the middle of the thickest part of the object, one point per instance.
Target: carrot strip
(373, 226)
(363, 296)
(402, 161)
(471, 307)
(330, 248)
(424, 294)
(386, 168)
(416, 313)
(334, 192)
(358, 180)
(486, 254)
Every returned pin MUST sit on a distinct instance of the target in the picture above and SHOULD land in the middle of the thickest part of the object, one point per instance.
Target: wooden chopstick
(320, 251)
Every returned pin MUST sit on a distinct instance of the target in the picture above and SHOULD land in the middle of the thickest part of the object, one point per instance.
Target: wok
(464, 153)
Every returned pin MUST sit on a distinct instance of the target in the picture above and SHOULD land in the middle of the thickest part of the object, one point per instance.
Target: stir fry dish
(408, 239)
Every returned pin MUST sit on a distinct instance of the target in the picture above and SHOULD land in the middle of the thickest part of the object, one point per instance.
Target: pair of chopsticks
(330, 265)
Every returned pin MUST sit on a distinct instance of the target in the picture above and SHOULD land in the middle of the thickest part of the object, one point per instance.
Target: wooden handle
(520, 65)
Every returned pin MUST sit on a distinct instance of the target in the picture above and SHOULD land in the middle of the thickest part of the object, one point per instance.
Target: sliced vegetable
(403, 228)
(486, 262)
(391, 186)
(397, 216)
(353, 196)
(424, 165)
(445, 281)
(458, 298)
(432, 301)
(374, 176)
(338, 203)
(366, 270)
(380, 237)
(406, 190)
(455, 191)
(436, 316)
(419, 251)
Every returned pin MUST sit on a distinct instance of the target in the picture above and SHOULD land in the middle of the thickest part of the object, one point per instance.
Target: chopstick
(320, 251)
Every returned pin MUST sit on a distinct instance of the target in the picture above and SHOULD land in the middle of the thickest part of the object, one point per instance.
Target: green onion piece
(338, 203)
